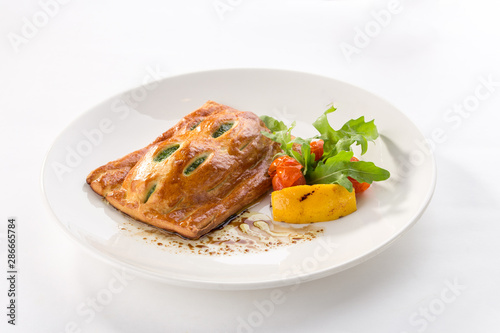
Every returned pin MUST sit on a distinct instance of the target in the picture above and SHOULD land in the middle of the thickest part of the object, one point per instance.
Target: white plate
(115, 128)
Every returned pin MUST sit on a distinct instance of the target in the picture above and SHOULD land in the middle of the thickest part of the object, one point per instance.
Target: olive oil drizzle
(248, 232)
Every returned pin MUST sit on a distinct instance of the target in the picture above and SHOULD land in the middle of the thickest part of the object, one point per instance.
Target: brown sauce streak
(240, 234)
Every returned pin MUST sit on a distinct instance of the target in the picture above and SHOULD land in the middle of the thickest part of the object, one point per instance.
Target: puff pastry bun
(208, 167)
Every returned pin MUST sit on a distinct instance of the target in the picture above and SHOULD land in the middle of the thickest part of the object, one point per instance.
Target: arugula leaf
(322, 124)
(282, 136)
(336, 169)
(273, 124)
(359, 131)
(328, 134)
(305, 157)
(354, 131)
(335, 165)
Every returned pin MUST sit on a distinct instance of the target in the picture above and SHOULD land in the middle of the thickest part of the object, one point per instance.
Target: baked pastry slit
(207, 168)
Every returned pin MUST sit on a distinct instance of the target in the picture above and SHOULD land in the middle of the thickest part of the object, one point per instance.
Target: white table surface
(442, 276)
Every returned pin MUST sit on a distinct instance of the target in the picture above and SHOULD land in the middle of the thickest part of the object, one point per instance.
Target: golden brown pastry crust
(233, 174)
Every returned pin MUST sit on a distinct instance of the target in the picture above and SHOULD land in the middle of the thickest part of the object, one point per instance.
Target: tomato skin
(358, 187)
(317, 149)
(286, 172)
(288, 177)
(283, 162)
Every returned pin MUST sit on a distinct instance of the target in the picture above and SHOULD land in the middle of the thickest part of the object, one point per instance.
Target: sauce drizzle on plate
(249, 232)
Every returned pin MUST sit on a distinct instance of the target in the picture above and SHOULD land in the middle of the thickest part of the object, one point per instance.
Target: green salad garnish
(335, 165)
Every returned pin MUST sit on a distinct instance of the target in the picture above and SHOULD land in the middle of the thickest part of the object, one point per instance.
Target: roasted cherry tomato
(317, 149)
(358, 187)
(283, 162)
(285, 172)
(287, 177)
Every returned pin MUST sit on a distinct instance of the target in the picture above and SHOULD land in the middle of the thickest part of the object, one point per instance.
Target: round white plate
(133, 119)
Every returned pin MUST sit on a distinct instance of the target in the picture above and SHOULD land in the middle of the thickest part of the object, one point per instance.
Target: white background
(442, 276)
